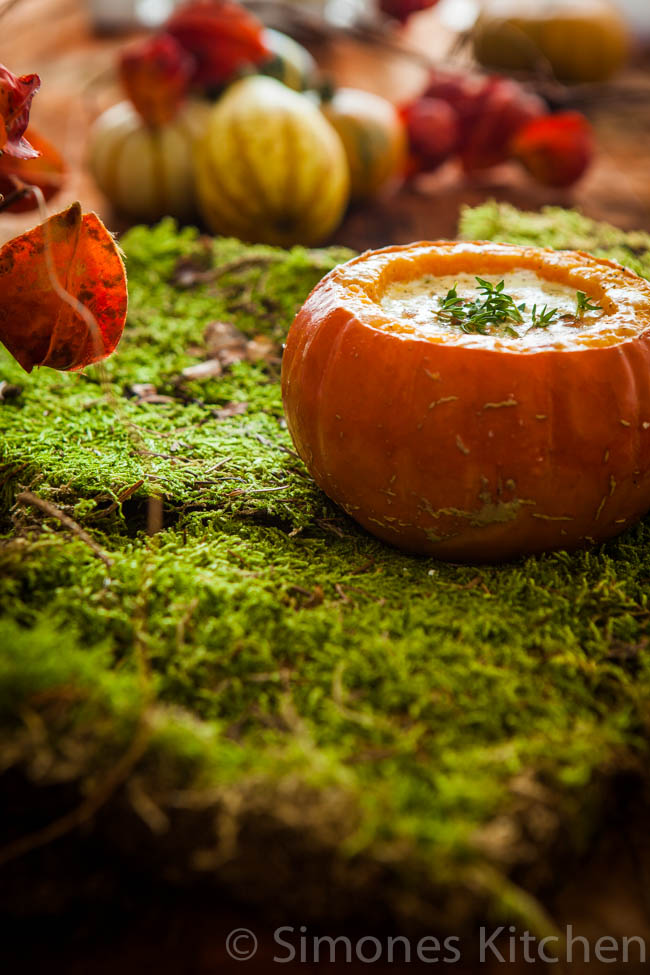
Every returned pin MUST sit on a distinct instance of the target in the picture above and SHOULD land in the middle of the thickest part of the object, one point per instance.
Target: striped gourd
(270, 167)
(147, 172)
(290, 62)
(374, 138)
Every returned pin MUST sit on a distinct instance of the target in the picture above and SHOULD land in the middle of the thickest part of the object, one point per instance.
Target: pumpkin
(374, 138)
(147, 172)
(474, 447)
(581, 41)
(290, 62)
(271, 168)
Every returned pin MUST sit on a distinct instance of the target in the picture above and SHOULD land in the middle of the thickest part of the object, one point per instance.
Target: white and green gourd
(147, 172)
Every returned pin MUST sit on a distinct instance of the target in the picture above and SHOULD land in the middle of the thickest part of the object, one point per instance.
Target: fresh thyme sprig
(451, 306)
(497, 307)
(492, 307)
(456, 311)
(583, 304)
(543, 318)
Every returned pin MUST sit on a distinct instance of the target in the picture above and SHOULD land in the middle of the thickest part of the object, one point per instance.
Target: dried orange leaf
(62, 292)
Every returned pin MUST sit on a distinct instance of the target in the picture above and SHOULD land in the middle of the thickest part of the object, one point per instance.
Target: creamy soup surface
(417, 305)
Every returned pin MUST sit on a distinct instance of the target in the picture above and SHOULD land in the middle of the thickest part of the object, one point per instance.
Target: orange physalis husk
(15, 100)
(63, 292)
(223, 38)
(45, 171)
(155, 74)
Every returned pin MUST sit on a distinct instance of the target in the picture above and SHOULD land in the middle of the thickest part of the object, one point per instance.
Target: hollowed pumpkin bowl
(474, 447)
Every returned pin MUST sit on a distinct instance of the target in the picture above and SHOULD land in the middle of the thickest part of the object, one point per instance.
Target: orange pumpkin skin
(468, 453)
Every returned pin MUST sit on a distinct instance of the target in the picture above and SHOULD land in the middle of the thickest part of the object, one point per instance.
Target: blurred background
(533, 102)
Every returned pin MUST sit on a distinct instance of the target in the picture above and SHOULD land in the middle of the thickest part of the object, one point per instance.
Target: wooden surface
(54, 38)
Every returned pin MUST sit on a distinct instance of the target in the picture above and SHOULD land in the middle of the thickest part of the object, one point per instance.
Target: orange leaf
(46, 171)
(69, 310)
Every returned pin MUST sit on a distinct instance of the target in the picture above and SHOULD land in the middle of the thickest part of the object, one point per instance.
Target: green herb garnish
(496, 305)
(543, 318)
(451, 306)
(583, 304)
(493, 308)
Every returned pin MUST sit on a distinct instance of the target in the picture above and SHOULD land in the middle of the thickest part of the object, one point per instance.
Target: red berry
(556, 150)
(433, 131)
(402, 9)
(490, 110)
(502, 109)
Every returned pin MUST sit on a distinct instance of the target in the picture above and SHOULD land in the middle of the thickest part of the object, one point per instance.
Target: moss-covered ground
(262, 686)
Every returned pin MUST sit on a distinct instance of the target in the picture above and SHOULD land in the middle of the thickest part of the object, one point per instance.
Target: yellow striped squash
(271, 168)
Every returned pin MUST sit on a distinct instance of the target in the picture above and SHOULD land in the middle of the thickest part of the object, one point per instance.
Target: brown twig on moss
(154, 515)
(123, 496)
(28, 498)
(186, 276)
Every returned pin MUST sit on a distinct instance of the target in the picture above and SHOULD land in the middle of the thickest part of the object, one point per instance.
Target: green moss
(555, 227)
(393, 709)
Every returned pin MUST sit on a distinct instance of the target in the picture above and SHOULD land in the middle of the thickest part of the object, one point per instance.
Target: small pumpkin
(270, 167)
(147, 172)
(474, 446)
(580, 40)
(374, 137)
(290, 62)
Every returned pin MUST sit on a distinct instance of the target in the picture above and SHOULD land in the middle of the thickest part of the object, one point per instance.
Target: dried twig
(187, 277)
(123, 496)
(28, 498)
(277, 446)
(154, 515)
(18, 194)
